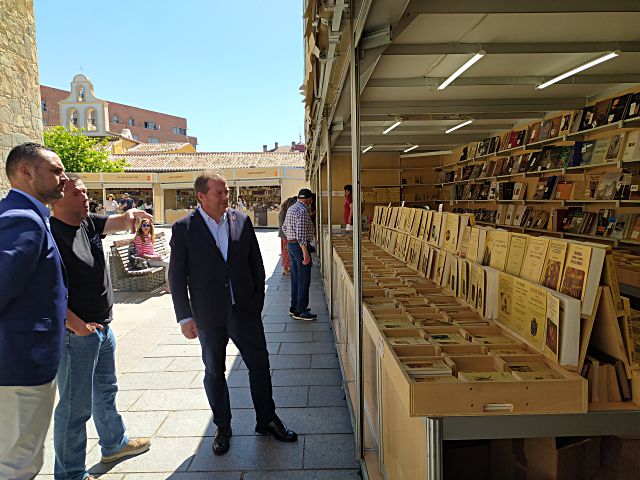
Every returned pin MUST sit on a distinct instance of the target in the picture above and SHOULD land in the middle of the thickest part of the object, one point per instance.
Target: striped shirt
(298, 225)
(144, 247)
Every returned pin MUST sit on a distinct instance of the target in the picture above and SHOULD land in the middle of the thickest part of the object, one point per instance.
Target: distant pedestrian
(284, 252)
(111, 206)
(33, 306)
(347, 212)
(299, 230)
(241, 205)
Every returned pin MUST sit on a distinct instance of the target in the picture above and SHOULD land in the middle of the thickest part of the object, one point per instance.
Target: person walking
(32, 308)
(284, 253)
(87, 382)
(217, 282)
(300, 233)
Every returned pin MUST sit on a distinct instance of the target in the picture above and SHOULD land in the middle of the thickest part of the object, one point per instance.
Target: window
(44, 105)
(179, 131)
(116, 119)
(131, 122)
(151, 125)
(154, 140)
(136, 137)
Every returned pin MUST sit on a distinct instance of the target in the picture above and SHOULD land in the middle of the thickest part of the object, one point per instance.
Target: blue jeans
(87, 386)
(300, 278)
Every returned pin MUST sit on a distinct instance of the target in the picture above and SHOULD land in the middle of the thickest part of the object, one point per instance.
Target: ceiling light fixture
(590, 64)
(462, 69)
(411, 148)
(388, 129)
(367, 149)
(460, 125)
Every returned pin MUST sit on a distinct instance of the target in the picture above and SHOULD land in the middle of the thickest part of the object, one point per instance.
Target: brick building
(145, 125)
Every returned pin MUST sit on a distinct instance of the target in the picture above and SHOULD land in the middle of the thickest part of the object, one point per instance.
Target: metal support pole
(319, 218)
(329, 222)
(434, 448)
(357, 240)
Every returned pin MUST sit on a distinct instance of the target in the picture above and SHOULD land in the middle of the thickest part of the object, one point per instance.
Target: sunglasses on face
(146, 225)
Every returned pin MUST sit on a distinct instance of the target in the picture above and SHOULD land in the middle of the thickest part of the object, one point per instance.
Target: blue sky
(233, 69)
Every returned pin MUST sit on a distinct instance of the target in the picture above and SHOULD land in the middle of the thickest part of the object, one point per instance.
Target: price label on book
(381, 346)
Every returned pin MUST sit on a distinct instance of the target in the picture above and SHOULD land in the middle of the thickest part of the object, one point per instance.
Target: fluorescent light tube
(462, 69)
(367, 149)
(411, 148)
(388, 129)
(459, 126)
(592, 63)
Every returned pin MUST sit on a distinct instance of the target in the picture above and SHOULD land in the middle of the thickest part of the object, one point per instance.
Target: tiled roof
(175, 162)
(157, 147)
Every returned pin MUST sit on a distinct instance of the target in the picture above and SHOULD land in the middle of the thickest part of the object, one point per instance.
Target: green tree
(80, 153)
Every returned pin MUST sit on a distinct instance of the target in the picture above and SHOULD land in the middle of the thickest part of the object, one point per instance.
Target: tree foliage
(80, 153)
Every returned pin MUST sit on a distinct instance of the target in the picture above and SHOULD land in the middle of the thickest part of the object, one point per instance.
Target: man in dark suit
(217, 284)
(33, 303)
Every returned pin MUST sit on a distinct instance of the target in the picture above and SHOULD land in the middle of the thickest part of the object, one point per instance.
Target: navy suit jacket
(200, 278)
(33, 295)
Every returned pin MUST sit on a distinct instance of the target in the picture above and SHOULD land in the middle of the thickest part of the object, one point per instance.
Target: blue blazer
(33, 295)
(200, 278)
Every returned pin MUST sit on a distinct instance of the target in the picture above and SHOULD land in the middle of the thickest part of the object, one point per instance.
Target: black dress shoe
(221, 441)
(277, 430)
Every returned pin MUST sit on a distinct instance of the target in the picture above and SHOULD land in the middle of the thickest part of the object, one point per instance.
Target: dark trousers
(248, 336)
(300, 279)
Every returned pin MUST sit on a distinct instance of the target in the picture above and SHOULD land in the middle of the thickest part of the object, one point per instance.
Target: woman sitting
(143, 242)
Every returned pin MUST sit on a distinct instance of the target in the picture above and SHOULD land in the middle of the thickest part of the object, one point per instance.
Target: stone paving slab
(303, 475)
(324, 360)
(329, 451)
(250, 453)
(326, 395)
(307, 376)
(283, 361)
(311, 347)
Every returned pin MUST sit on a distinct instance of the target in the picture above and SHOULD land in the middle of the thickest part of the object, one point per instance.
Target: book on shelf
(634, 187)
(545, 129)
(518, 215)
(473, 278)
(536, 315)
(499, 249)
(452, 283)
(534, 259)
(481, 284)
(463, 279)
(564, 188)
(632, 147)
(554, 263)
(436, 225)
(600, 150)
(618, 108)
(517, 250)
(586, 152)
(634, 106)
(519, 189)
(505, 297)
(634, 231)
(566, 156)
(555, 126)
(565, 123)
(607, 186)
(600, 113)
(508, 219)
(615, 150)
(588, 114)
(576, 271)
(591, 185)
(533, 132)
(551, 346)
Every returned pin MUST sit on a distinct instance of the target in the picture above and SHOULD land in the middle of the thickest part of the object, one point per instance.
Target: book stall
(485, 305)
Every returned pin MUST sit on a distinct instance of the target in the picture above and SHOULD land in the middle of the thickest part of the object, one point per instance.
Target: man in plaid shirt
(300, 232)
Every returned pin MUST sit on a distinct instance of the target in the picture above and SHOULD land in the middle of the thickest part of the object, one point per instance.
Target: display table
(410, 446)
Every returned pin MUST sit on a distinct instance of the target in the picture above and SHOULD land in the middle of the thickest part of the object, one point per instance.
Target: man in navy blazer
(33, 303)
(217, 284)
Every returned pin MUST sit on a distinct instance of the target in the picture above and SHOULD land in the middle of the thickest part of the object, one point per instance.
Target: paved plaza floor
(161, 394)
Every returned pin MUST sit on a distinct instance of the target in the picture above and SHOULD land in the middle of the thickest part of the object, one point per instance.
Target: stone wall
(20, 114)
